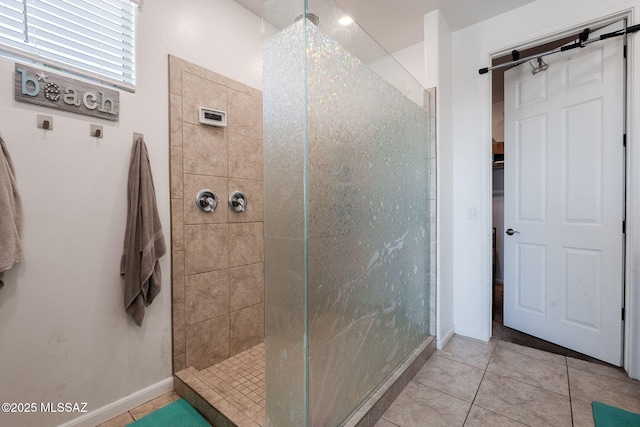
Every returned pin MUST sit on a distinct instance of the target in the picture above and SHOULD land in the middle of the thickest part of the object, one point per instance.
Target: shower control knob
(206, 201)
(237, 202)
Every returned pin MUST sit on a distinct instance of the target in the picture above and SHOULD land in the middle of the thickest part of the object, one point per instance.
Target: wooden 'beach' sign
(41, 87)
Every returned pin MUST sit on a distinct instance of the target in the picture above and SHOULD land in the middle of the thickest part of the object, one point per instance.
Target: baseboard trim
(443, 340)
(120, 406)
(473, 334)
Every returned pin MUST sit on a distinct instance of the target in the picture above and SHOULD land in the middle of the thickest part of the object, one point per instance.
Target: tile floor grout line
(569, 389)
(486, 368)
(459, 361)
(531, 385)
(533, 356)
(524, 382)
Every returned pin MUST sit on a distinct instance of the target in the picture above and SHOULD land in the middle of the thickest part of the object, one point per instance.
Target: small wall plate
(210, 117)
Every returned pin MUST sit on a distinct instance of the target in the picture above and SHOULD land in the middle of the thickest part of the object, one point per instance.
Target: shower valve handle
(206, 201)
(237, 202)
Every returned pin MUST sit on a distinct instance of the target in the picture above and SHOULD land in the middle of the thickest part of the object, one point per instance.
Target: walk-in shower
(347, 197)
(349, 242)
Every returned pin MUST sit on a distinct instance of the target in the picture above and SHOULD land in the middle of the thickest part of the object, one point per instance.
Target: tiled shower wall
(430, 107)
(217, 258)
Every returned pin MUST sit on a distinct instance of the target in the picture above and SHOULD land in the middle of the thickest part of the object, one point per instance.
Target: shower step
(193, 386)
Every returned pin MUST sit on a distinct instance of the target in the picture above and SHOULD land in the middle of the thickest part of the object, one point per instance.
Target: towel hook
(96, 131)
(45, 122)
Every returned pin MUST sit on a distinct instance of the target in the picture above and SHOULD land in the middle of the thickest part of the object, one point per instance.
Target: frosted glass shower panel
(285, 155)
(346, 217)
(368, 235)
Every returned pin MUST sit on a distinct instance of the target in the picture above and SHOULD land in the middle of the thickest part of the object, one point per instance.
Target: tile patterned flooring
(473, 383)
(468, 383)
(135, 414)
(235, 386)
(240, 381)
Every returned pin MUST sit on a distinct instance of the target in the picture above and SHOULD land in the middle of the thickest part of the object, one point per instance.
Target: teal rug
(178, 413)
(609, 416)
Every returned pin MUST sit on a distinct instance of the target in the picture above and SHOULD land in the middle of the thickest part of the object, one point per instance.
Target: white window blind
(94, 38)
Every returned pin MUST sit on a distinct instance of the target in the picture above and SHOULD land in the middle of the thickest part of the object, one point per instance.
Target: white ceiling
(396, 24)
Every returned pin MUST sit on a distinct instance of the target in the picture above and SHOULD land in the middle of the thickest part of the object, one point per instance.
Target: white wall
(64, 333)
(404, 70)
(438, 63)
(412, 59)
(472, 49)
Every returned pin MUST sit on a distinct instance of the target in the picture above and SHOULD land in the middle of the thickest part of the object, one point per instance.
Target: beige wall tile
(432, 139)
(246, 243)
(175, 75)
(253, 92)
(206, 296)
(177, 173)
(246, 286)
(208, 342)
(219, 186)
(205, 157)
(244, 115)
(205, 150)
(177, 273)
(175, 116)
(190, 67)
(254, 190)
(178, 328)
(199, 92)
(206, 248)
(246, 328)
(245, 157)
(177, 224)
(225, 81)
(179, 362)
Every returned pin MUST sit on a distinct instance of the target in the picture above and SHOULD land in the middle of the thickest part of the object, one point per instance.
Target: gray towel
(10, 214)
(143, 240)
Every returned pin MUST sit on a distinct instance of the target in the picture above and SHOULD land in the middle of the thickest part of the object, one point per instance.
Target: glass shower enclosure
(347, 276)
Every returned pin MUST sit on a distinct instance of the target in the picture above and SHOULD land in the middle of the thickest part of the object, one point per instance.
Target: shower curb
(194, 391)
(191, 389)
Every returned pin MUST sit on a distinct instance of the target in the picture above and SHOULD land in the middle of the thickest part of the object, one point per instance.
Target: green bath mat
(178, 413)
(608, 416)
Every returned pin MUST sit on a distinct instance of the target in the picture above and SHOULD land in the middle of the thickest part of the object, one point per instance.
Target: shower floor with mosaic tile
(235, 387)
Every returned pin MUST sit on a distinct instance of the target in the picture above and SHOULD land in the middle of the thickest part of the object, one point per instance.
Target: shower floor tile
(238, 384)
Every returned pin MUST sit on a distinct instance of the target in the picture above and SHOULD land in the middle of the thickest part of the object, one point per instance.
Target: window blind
(94, 38)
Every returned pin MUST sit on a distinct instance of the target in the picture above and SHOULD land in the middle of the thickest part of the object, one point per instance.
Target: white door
(564, 199)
